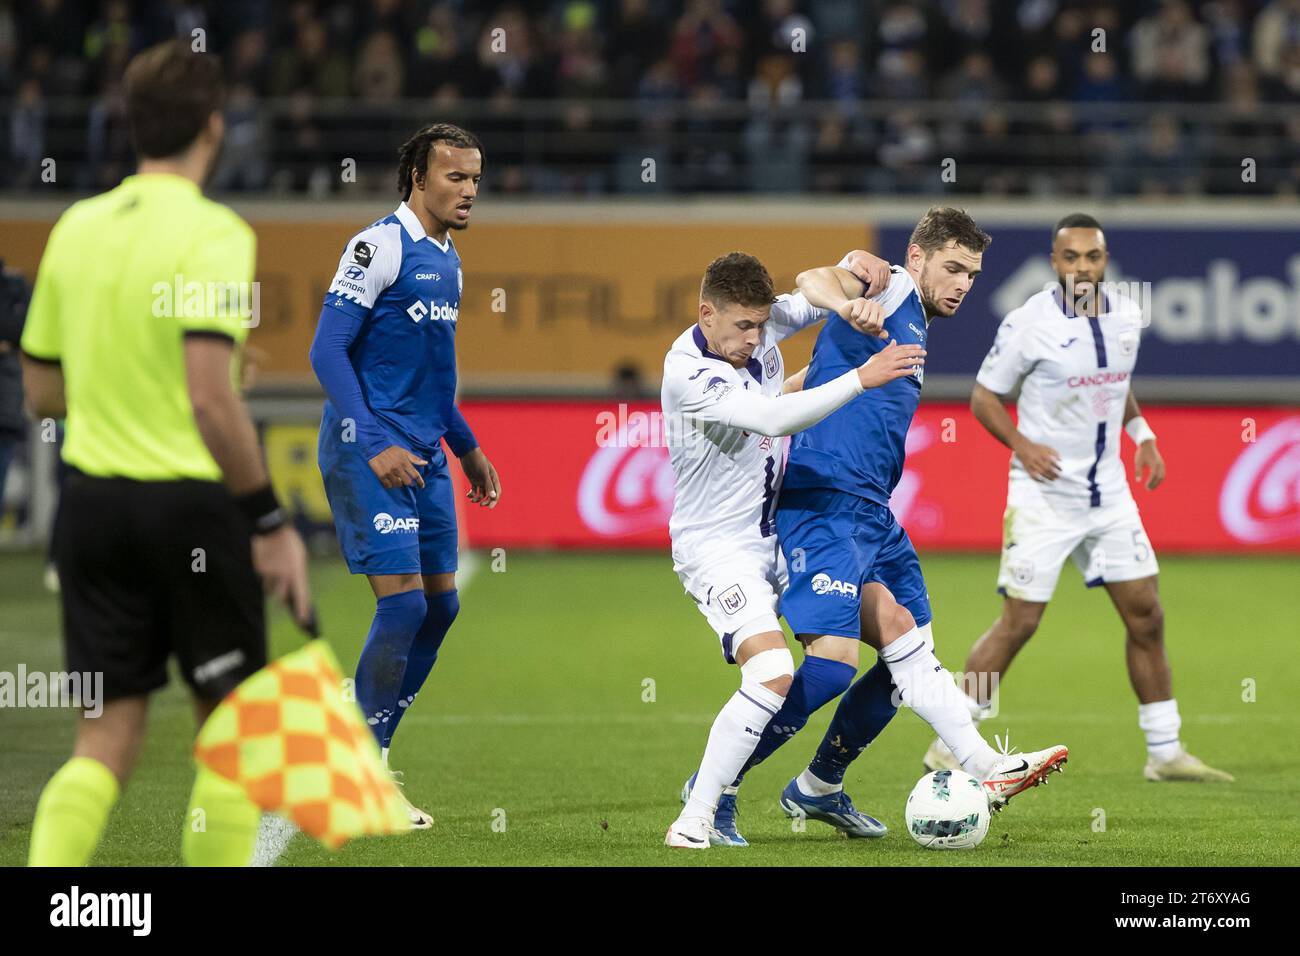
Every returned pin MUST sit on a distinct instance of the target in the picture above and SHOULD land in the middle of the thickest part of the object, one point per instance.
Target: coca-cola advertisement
(596, 474)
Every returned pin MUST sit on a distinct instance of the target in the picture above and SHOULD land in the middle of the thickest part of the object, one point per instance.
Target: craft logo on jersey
(732, 599)
(823, 584)
(770, 361)
(443, 312)
(363, 253)
(387, 524)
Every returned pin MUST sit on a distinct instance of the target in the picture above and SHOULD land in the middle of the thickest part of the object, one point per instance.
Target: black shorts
(152, 568)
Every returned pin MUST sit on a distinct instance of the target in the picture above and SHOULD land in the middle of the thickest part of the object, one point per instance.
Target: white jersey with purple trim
(727, 479)
(1074, 373)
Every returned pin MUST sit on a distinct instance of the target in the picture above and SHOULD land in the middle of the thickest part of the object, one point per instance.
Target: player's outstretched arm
(795, 382)
(780, 415)
(838, 289)
(1042, 463)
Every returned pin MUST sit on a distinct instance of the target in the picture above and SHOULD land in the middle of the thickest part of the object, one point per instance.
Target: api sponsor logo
(824, 584)
(387, 524)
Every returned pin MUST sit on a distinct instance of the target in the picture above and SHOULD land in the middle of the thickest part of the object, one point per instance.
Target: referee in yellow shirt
(167, 518)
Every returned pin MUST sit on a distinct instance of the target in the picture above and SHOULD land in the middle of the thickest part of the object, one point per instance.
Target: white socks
(813, 786)
(928, 689)
(732, 740)
(1160, 723)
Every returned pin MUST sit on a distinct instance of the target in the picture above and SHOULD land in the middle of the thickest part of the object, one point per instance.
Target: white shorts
(738, 593)
(1107, 544)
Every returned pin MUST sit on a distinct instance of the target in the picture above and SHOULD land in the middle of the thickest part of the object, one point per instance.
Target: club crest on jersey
(1022, 571)
(770, 362)
(1128, 341)
(732, 599)
(417, 310)
(363, 253)
(387, 524)
(824, 584)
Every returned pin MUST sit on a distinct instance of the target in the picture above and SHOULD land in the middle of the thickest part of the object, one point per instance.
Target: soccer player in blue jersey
(385, 354)
(854, 575)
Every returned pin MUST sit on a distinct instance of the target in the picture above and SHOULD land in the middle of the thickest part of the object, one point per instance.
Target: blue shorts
(405, 530)
(834, 543)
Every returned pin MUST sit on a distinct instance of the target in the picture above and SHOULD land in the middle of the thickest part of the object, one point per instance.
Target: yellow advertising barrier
(544, 302)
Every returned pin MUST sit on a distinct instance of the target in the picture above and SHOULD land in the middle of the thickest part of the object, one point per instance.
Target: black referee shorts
(152, 568)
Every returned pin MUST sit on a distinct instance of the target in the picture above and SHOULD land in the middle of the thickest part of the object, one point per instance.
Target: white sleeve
(791, 313)
(715, 399)
(1008, 361)
(369, 264)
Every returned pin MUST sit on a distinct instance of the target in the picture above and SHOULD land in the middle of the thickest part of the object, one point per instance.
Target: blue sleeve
(458, 435)
(336, 330)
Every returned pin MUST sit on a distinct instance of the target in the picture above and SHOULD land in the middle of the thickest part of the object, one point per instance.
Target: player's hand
(281, 561)
(865, 315)
(1042, 463)
(484, 484)
(1148, 458)
(395, 467)
(872, 270)
(891, 362)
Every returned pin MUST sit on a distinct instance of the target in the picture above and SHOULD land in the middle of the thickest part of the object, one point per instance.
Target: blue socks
(382, 667)
(862, 714)
(443, 609)
(817, 681)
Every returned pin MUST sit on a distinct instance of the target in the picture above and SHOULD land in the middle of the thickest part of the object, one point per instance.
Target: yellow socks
(71, 814)
(221, 825)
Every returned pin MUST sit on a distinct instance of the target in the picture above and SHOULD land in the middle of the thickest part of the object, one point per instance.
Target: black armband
(262, 509)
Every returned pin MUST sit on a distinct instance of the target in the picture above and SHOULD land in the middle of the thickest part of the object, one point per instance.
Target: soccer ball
(948, 810)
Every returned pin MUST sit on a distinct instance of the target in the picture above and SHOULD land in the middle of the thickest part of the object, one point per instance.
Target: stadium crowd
(571, 96)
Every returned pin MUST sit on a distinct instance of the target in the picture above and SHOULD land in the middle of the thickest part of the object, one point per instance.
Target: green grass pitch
(535, 720)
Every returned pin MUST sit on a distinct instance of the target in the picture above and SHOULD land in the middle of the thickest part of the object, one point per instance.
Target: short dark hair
(737, 278)
(1075, 220)
(171, 92)
(414, 153)
(940, 224)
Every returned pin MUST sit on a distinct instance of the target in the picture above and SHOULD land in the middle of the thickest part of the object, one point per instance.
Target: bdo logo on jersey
(417, 310)
(387, 524)
(823, 584)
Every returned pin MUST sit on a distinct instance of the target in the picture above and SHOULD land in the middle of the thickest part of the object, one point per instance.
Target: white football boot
(419, 819)
(939, 757)
(1183, 766)
(690, 833)
(1015, 773)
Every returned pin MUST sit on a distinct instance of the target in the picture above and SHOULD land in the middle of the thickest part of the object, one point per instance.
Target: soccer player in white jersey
(1071, 350)
(726, 419)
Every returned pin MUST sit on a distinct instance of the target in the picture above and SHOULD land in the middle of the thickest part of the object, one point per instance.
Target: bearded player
(385, 353)
(854, 575)
(1071, 350)
(727, 417)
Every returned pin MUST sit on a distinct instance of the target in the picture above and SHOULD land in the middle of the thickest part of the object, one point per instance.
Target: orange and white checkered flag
(297, 747)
